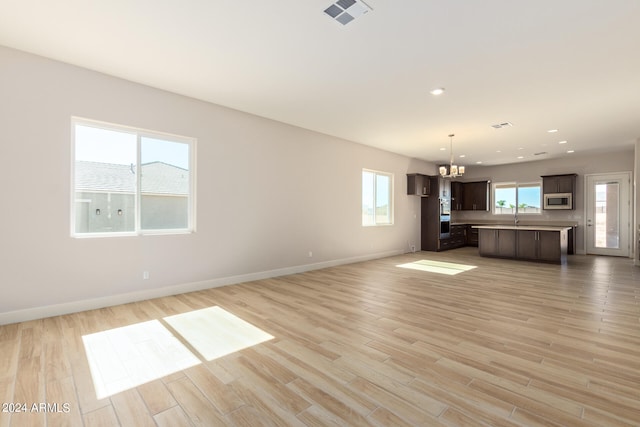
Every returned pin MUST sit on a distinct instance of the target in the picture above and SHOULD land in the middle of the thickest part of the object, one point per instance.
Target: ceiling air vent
(345, 11)
(502, 125)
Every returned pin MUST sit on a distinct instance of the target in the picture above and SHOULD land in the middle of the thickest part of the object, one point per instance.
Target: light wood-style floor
(507, 343)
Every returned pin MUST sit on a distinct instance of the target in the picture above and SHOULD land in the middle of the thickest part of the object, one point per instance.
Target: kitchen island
(527, 242)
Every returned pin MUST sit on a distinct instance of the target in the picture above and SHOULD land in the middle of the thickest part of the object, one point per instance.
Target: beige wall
(267, 195)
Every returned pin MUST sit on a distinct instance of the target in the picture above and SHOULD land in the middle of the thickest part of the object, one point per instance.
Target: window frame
(391, 177)
(516, 185)
(139, 134)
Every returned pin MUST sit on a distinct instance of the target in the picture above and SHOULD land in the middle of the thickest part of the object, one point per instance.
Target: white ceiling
(571, 65)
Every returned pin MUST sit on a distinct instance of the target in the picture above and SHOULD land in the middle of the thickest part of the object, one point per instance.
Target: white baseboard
(95, 303)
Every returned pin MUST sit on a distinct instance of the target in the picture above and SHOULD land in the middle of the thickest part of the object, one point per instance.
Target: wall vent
(345, 11)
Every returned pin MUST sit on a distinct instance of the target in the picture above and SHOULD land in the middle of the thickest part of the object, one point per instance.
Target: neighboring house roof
(163, 178)
(157, 178)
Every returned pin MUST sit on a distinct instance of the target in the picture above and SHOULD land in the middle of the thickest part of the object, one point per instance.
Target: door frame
(629, 212)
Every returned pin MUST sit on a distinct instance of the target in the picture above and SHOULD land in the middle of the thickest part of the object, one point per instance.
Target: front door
(608, 214)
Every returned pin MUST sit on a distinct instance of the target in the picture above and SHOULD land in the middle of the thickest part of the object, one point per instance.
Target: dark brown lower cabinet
(472, 236)
(541, 245)
(458, 233)
(497, 243)
(456, 239)
(527, 244)
(444, 244)
(531, 245)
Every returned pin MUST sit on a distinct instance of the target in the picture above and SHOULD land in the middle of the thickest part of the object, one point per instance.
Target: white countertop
(522, 227)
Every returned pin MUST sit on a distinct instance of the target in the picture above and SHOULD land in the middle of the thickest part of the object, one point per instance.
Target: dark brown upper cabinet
(418, 184)
(565, 183)
(470, 196)
(476, 196)
(457, 195)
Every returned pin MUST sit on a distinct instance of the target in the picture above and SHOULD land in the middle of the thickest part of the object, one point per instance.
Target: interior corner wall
(636, 197)
(268, 195)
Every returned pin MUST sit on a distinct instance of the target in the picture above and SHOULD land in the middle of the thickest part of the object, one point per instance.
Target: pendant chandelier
(451, 170)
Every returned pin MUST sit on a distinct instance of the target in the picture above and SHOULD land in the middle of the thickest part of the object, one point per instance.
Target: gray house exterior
(105, 197)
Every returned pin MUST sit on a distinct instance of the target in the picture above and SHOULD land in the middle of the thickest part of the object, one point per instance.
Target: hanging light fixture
(451, 170)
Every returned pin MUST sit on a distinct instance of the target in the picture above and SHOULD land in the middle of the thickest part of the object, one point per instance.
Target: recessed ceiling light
(570, 151)
(521, 157)
(463, 155)
(437, 91)
(562, 142)
(498, 151)
(552, 130)
(442, 149)
(478, 162)
(520, 148)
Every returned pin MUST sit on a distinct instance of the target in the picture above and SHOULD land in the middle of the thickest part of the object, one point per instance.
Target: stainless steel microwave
(558, 201)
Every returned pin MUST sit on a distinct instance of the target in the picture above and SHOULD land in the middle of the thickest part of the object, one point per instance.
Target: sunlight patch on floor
(126, 357)
(129, 356)
(214, 332)
(441, 267)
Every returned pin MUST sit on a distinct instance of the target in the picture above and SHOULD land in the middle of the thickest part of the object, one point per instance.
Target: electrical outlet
(145, 275)
(310, 254)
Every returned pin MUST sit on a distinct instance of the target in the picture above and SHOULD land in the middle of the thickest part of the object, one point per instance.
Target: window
(521, 198)
(377, 198)
(130, 181)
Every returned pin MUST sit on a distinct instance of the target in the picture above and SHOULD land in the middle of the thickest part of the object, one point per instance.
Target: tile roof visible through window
(157, 178)
(162, 178)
